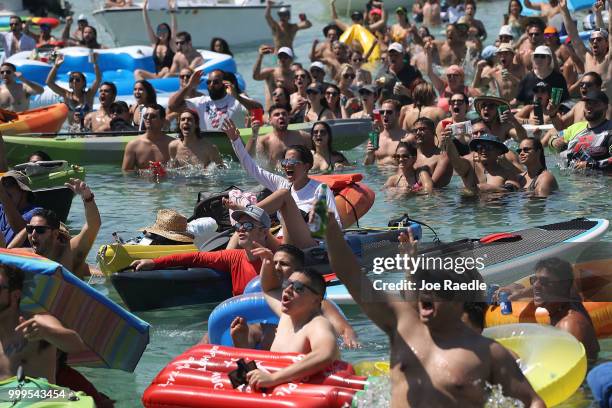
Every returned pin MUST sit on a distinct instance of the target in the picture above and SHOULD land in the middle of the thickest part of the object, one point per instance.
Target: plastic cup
(257, 115)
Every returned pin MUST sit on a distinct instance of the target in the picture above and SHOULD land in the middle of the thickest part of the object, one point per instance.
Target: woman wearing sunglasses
(144, 95)
(362, 76)
(332, 97)
(407, 179)
(325, 158)
(317, 108)
(163, 43)
(537, 179)
(299, 99)
(294, 195)
(349, 104)
(78, 98)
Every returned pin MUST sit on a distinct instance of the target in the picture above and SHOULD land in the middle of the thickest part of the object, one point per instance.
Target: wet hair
(185, 35)
(427, 122)
(11, 66)
(49, 215)
(285, 93)
(476, 313)
(559, 268)
(151, 97)
(297, 255)
(396, 105)
(14, 277)
(412, 150)
(316, 280)
(196, 119)
(112, 86)
(592, 74)
(424, 94)
(537, 145)
(304, 153)
(160, 109)
(119, 104)
(224, 45)
(169, 33)
(275, 107)
(93, 29)
(41, 154)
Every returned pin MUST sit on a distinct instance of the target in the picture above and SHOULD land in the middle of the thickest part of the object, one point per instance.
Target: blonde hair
(344, 68)
(424, 94)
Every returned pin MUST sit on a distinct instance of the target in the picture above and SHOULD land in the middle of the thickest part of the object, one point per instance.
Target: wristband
(90, 199)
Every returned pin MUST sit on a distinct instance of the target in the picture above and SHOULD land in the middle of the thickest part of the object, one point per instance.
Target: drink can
(374, 137)
(501, 109)
(491, 289)
(505, 304)
(556, 94)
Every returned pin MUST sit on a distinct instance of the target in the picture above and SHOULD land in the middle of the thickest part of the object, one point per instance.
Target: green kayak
(38, 393)
(347, 134)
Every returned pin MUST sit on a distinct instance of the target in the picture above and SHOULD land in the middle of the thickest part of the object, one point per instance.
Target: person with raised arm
(15, 96)
(282, 30)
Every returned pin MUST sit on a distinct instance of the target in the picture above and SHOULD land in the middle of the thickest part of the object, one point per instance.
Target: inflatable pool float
(40, 120)
(114, 338)
(114, 257)
(572, 5)
(360, 34)
(59, 397)
(594, 285)
(199, 378)
(117, 66)
(5, 20)
(348, 134)
(49, 174)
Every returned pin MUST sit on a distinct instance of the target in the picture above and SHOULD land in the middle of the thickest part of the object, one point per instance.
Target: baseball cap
(82, 17)
(550, 30)
(542, 50)
(284, 10)
(599, 32)
(318, 65)
(397, 47)
(368, 87)
(21, 179)
(505, 47)
(356, 15)
(599, 96)
(286, 51)
(506, 30)
(254, 212)
(488, 52)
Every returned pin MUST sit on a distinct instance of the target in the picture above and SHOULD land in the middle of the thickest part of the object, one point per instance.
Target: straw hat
(480, 100)
(170, 224)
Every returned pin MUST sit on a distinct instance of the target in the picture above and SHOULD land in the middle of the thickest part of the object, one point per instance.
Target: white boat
(236, 21)
(345, 7)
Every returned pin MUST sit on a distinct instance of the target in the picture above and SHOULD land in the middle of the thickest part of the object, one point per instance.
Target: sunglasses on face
(118, 112)
(534, 34)
(298, 287)
(539, 56)
(6, 72)
(332, 93)
(161, 30)
(300, 76)
(584, 84)
(180, 42)
(290, 162)
(365, 93)
(312, 92)
(214, 81)
(75, 79)
(14, 24)
(150, 116)
(541, 280)
(348, 76)
(278, 94)
(403, 156)
(384, 112)
(524, 149)
(595, 39)
(186, 76)
(540, 91)
(244, 226)
(453, 75)
(479, 133)
(485, 147)
(421, 130)
(40, 229)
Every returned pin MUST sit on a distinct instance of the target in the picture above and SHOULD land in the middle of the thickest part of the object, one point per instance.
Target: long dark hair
(304, 153)
(537, 145)
(224, 45)
(169, 34)
(329, 134)
(196, 118)
(151, 97)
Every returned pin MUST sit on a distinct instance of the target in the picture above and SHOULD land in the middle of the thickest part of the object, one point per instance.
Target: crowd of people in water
(531, 94)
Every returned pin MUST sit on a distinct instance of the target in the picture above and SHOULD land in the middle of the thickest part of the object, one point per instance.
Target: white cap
(542, 50)
(317, 64)
(397, 47)
(82, 17)
(285, 50)
(506, 30)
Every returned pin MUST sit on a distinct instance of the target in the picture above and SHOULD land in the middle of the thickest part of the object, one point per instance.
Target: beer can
(556, 94)
(505, 304)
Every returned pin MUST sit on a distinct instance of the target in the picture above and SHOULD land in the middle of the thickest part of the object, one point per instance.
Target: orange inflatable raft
(48, 119)
(199, 378)
(593, 282)
(353, 199)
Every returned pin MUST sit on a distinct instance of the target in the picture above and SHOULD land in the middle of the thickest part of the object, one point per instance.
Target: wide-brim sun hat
(490, 140)
(171, 225)
(481, 100)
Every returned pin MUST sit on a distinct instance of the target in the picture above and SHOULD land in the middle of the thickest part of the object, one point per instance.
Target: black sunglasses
(299, 287)
(185, 76)
(290, 162)
(246, 226)
(402, 156)
(40, 229)
(524, 149)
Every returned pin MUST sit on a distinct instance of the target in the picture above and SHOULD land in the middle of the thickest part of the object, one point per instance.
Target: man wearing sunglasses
(15, 40)
(252, 226)
(302, 328)
(17, 204)
(535, 38)
(281, 75)
(152, 146)
(283, 31)
(15, 96)
(426, 332)
(591, 81)
(504, 126)
(186, 56)
(597, 58)
(99, 121)
(391, 135)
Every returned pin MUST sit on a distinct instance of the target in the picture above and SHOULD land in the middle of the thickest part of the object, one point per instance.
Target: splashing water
(497, 399)
(376, 395)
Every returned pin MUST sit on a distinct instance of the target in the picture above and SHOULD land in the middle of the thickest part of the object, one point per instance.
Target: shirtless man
(591, 81)
(324, 49)
(90, 39)
(186, 56)
(16, 40)
(547, 9)
(99, 121)
(535, 38)
(282, 75)
(429, 156)
(552, 286)
(482, 173)
(426, 333)
(272, 147)
(52, 240)
(431, 13)
(191, 148)
(282, 30)
(424, 105)
(302, 328)
(504, 77)
(152, 146)
(452, 51)
(597, 59)
(505, 127)
(390, 136)
(29, 341)
(16, 96)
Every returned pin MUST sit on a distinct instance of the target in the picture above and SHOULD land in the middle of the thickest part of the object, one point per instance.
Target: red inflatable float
(199, 378)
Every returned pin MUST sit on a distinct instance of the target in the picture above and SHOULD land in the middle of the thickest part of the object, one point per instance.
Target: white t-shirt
(26, 43)
(213, 112)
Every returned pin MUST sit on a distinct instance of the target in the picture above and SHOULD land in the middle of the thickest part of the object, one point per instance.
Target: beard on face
(594, 115)
(216, 94)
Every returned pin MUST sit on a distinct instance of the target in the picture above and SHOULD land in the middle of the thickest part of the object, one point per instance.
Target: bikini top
(166, 62)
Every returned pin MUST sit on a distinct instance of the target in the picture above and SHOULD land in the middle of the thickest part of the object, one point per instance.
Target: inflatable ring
(360, 34)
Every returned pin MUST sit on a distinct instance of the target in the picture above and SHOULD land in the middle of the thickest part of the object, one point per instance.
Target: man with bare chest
(390, 136)
(535, 38)
(505, 76)
(16, 96)
(272, 147)
(99, 121)
(282, 75)
(152, 146)
(453, 50)
(191, 148)
(186, 56)
(429, 156)
(29, 341)
(283, 31)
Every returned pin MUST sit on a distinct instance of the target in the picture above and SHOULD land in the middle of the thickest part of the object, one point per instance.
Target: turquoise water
(127, 203)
